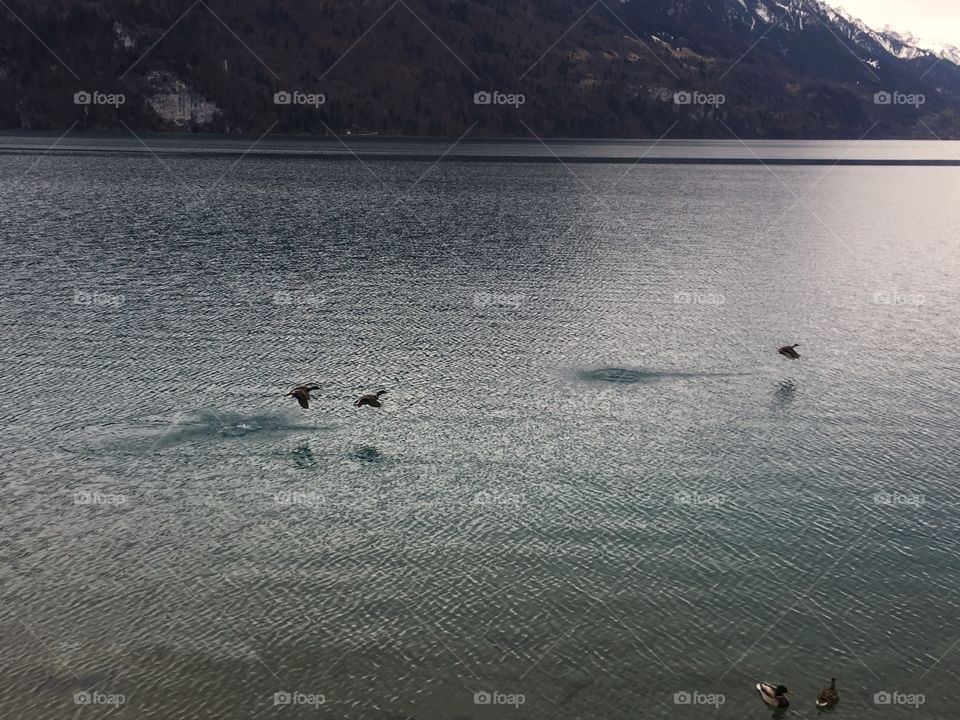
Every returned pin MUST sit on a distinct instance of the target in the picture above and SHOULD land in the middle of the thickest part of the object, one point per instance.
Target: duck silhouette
(790, 351)
(302, 394)
(371, 399)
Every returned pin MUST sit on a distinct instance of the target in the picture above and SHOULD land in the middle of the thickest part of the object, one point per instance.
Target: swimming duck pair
(776, 695)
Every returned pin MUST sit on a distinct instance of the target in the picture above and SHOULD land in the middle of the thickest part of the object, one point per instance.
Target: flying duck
(302, 394)
(828, 697)
(790, 351)
(371, 399)
(773, 695)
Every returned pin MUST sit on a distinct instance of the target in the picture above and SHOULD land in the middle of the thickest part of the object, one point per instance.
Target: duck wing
(767, 689)
(768, 693)
(302, 395)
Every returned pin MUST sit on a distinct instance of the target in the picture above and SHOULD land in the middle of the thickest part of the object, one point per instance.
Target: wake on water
(206, 424)
(629, 376)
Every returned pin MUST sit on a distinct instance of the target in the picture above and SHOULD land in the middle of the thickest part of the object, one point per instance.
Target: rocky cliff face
(177, 105)
(628, 68)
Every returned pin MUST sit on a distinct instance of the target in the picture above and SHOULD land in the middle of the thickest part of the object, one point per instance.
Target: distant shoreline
(462, 157)
(433, 150)
(188, 137)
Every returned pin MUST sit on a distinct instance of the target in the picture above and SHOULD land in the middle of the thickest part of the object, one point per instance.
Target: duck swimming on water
(828, 697)
(773, 695)
(790, 351)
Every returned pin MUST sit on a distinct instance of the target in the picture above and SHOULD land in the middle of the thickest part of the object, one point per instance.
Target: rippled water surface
(593, 483)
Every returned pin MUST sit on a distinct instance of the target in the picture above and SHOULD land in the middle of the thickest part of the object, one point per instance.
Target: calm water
(593, 481)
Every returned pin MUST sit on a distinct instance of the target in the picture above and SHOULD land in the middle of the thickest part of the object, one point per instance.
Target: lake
(594, 489)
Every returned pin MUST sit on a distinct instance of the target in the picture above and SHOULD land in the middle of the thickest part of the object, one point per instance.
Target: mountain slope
(749, 68)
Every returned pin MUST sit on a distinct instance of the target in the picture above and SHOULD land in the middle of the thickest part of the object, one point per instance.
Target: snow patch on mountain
(902, 45)
(950, 53)
(944, 51)
(764, 14)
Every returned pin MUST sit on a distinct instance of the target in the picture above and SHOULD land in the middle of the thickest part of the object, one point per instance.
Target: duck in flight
(790, 351)
(302, 394)
(371, 399)
(828, 697)
(773, 695)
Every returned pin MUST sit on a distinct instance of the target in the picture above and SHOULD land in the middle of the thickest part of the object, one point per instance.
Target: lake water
(593, 483)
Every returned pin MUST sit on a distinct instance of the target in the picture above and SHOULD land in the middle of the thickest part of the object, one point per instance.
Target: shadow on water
(631, 376)
(303, 457)
(367, 453)
(785, 393)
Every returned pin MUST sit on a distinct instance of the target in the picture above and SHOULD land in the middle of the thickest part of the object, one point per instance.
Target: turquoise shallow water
(593, 482)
